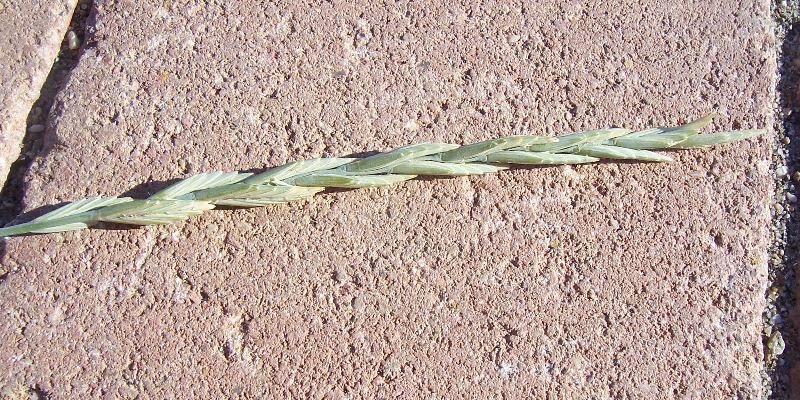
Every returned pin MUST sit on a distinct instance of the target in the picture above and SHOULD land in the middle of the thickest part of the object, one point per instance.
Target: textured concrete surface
(605, 281)
(31, 33)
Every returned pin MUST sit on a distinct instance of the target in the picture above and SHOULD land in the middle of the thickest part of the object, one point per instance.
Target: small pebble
(36, 128)
(775, 344)
(781, 171)
(796, 176)
(786, 140)
(72, 40)
(507, 369)
(36, 112)
(391, 369)
(791, 198)
(778, 208)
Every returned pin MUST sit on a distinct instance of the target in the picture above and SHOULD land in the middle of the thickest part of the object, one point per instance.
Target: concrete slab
(31, 32)
(606, 281)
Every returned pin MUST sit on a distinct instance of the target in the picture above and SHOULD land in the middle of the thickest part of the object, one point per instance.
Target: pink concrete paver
(604, 281)
(31, 33)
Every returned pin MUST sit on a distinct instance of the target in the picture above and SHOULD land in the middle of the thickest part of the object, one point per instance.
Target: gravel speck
(507, 369)
(36, 128)
(339, 277)
(72, 40)
(390, 369)
(775, 344)
(358, 303)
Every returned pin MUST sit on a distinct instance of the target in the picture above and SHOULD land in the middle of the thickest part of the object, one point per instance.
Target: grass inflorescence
(303, 179)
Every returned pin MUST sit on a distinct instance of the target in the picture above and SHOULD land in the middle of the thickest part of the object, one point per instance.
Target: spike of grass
(296, 168)
(652, 141)
(152, 212)
(220, 193)
(478, 151)
(200, 182)
(538, 158)
(604, 151)
(712, 139)
(437, 168)
(81, 206)
(265, 195)
(576, 139)
(350, 181)
(302, 179)
(385, 161)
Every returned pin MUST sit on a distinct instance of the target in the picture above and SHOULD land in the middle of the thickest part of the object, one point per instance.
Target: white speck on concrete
(763, 166)
(411, 125)
(147, 248)
(507, 369)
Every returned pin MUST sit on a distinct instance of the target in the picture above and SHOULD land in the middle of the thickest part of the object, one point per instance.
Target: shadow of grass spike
(303, 179)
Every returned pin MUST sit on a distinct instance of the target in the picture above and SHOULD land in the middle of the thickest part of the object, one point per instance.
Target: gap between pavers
(31, 33)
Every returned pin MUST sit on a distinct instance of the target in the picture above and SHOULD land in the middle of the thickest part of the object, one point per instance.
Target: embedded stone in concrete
(609, 280)
(31, 32)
